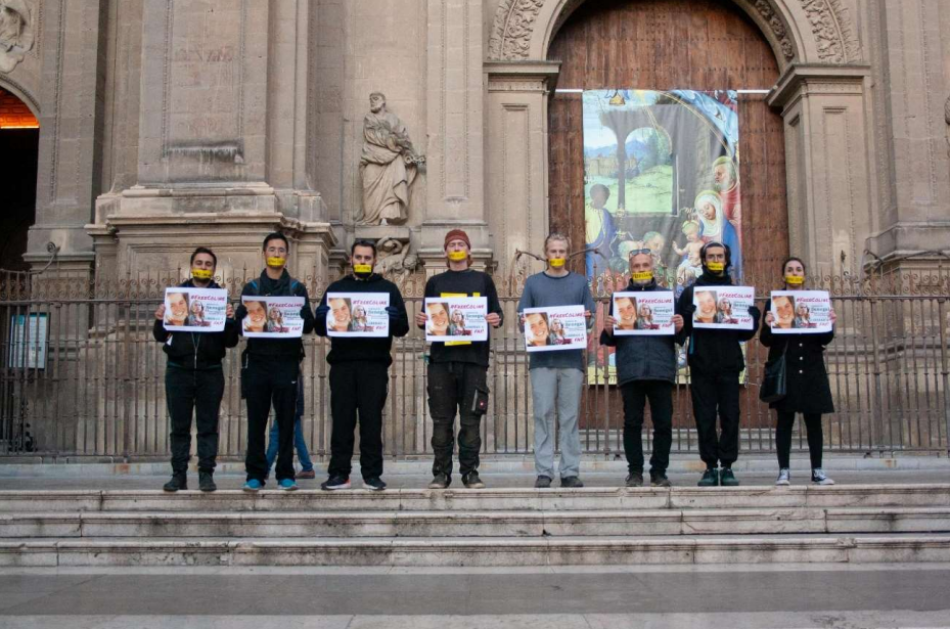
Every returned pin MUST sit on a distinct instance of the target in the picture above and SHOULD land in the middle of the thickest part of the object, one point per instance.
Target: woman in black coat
(807, 387)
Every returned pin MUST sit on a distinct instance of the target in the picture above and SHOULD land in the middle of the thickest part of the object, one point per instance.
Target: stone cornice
(824, 78)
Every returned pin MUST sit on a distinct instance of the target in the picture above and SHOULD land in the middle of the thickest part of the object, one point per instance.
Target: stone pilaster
(69, 153)
(828, 181)
(455, 128)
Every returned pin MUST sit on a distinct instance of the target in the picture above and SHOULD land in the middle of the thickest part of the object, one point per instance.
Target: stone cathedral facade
(170, 123)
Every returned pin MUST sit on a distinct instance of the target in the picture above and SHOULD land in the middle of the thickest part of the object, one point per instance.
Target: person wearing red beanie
(458, 371)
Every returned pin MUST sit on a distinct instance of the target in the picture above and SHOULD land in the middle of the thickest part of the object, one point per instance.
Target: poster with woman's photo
(644, 313)
(723, 307)
(358, 315)
(456, 319)
(195, 309)
(273, 317)
(555, 328)
(801, 312)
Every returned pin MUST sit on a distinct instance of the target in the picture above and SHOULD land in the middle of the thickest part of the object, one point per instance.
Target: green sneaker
(728, 479)
(710, 478)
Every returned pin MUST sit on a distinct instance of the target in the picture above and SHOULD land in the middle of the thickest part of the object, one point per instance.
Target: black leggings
(783, 437)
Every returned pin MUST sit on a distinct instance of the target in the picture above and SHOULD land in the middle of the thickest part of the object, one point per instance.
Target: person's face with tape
(202, 269)
(275, 255)
(363, 259)
(715, 260)
(641, 267)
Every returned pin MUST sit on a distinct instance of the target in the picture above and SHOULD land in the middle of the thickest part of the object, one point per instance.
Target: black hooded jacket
(712, 351)
(196, 350)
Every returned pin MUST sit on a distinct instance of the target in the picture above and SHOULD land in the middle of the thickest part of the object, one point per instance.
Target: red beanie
(457, 234)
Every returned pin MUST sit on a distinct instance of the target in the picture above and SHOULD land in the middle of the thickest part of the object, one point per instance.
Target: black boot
(178, 482)
(206, 481)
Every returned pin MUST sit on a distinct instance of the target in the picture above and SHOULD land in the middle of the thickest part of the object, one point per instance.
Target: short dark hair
(275, 236)
(794, 259)
(194, 255)
(363, 243)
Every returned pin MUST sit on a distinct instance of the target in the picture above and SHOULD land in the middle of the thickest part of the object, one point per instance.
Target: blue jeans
(299, 443)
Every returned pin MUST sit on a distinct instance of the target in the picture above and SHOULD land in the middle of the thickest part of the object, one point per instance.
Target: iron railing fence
(81, 376)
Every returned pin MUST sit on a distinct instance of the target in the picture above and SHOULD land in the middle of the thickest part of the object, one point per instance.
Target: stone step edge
(493, 552)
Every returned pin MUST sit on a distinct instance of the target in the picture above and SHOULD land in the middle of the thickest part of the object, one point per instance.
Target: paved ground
(895, 595)
(411, 481)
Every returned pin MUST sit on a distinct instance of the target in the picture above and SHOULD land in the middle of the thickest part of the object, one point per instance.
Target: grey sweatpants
(556, 394)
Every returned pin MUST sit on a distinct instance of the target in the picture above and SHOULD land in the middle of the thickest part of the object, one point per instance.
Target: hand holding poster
(456, 319)
(801, 312)
(723, 307)
(555, 328)
(195, 309)
(357, 315)
(273, 317)
(644, 313)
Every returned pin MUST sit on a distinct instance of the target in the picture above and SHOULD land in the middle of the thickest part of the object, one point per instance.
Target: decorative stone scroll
(515, 20)
(16, 33)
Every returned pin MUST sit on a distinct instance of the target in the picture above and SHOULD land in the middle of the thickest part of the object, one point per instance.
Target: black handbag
(774, 380)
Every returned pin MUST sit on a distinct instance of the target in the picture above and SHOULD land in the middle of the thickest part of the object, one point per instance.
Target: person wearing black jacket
(458, 372)
(194, 381)
(806, 382)
(646, 370)
(359, 375)
(715, 362)
(269, 371)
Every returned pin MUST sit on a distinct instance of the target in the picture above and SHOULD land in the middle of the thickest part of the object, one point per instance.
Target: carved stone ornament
(388, 166)
(515, 22)
(16, 33)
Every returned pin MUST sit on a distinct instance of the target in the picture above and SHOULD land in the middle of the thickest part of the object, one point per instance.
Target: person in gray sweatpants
(556, 376)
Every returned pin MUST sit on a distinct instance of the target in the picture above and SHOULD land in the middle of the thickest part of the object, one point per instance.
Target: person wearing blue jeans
(300, 443)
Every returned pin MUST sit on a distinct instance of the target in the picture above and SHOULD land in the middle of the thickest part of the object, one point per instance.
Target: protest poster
(273, 317)
(358, 315)
(801, 312)
(555, 328)
(456, 319)
(195, 309)
(723, 307)
(644, 313)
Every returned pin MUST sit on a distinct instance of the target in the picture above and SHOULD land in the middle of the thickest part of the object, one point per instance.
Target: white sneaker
(818, 477)
(784, 477)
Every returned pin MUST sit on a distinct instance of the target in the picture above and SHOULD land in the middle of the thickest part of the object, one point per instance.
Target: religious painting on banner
(661, 172)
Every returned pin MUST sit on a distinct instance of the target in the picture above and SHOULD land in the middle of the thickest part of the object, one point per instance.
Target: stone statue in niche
(388, 165)
(16, 33)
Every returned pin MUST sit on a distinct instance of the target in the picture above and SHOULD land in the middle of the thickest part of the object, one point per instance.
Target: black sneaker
(472, 481)
(710, 478)
(336, 482)
(206, 481)
(728, 479)
(177, 483)
(635, 479)
(375, 483)
(543, 482)
(440, 481)
(571, 482)
(659, 479)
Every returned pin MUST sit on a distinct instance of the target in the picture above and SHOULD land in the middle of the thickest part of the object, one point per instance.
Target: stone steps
(491, 527)
(516, 524)
(475, 552)
(587, 499)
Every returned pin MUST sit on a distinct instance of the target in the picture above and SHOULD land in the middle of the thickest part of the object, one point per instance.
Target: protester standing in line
(359, 375)
(557, 376)
(270, 368)
(715, 362)
(806, 382)
(646, 370)
(458, 371)
(194, 381)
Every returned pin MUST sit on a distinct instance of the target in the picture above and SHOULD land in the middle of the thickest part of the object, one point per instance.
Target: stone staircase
(491, 527)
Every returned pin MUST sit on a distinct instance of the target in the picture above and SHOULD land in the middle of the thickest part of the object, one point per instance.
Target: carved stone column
(455, 180)
(517, 155)
(828, 181)
(222, 146)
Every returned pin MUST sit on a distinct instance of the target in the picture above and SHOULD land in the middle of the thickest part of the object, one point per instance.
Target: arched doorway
(703, 45)
(19, 146)
(667, 45)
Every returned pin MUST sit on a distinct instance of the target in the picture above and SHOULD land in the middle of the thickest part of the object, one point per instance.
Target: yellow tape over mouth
(557, 263)
(458, 256)
(644, 276)
(202, 274)
(276, 262)
(794, 280)
(715, 267)
(363, 268)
